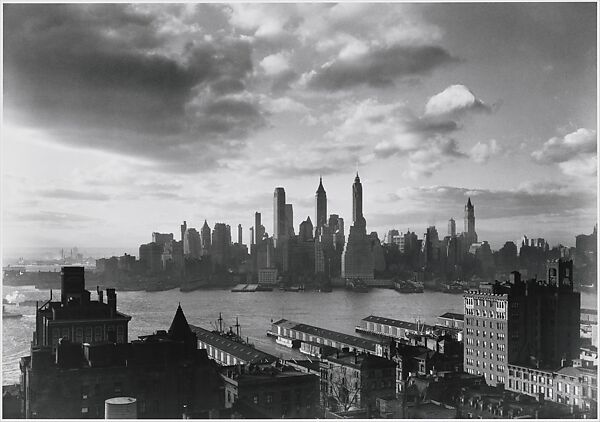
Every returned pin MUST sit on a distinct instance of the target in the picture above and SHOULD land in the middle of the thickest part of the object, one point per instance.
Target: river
(340, 310)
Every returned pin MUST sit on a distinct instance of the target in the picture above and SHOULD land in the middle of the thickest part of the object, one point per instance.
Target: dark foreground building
(164, 372)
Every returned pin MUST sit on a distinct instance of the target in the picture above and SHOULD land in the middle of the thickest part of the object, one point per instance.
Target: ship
(407, 286)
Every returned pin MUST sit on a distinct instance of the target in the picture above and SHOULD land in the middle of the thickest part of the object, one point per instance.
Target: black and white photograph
(310, 210)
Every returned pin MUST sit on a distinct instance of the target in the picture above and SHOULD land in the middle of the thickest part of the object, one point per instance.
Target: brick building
(531, 323)
(271, 390)
(163, 371)
(352, 381)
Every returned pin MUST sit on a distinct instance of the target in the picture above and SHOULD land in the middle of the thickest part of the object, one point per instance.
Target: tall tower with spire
(357, 257)
(320, 205)
(357, 209)
(470, 233)
(205, 239)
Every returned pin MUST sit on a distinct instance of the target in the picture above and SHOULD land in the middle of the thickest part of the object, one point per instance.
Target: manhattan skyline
(122, 120)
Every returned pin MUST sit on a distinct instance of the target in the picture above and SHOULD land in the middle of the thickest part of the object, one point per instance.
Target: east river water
(340, 310)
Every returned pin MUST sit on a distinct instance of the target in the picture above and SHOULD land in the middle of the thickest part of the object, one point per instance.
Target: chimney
(100, 294)
(111, 300)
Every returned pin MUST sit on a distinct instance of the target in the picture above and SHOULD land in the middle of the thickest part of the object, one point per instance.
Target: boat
(6, 314)
(406, 286)
(357, 285)
(288, 342)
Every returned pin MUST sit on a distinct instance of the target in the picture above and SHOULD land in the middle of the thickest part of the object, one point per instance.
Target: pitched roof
(453, 315)
(180, 329)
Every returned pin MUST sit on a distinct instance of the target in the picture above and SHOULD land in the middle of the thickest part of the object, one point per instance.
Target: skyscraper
(357, 258)
(357, 209)
(221, 239)
(320, 205)
(239, 234)
(470, 234)
(205, 241)
(451, 227)
(279, 217)
(259, 229)
(289, 220)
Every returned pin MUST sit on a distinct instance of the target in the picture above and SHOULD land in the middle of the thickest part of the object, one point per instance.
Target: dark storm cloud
(380, 67)
(73, 195)
(95, 76)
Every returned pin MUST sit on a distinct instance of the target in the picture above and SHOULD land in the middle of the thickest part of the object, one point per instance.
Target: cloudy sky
(121, 120)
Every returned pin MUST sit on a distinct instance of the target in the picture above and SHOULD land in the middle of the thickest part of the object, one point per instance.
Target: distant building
(279, 216)
(451, 227)
(151, 257)
(220, 244)
(469, 232)
(205, 239)
(192, 246)
(305, 232)
(357, 258)
(239, 234)
(289, 220)
(320, 206)
(267, 276)
(162, 238)
(259, 229)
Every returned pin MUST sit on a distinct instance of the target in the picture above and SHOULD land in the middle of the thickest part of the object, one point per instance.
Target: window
(255, 399)
(79, 335)
(269, 398)
(98, 333)
(84, 410)
(84, 392)
(65, 333)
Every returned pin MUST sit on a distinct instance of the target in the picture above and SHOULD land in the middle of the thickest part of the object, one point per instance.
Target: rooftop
(239, 350)
(452, 315)
(397, 323)
(350, 340)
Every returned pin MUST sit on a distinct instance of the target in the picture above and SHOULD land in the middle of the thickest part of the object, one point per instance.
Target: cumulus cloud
(481, 152)
(575, 153)
(378, 67)
(453, 100)
(275, 63)
(96, 76)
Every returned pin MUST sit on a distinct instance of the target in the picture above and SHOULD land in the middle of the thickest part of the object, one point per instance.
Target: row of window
(485, 314)
(490, 324)
(90, 334)
(499, 304)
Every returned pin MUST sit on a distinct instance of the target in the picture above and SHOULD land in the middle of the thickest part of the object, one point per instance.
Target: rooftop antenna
(237, 327)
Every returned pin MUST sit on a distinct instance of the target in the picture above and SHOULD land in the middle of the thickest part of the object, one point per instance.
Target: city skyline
(123, 120)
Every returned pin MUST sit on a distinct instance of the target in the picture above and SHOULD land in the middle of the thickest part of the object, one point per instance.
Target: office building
(279, 216)
(320, 206)
(162, 238)
(469, 229)
(530, 323)
(151, 257)
(205, 239)
(192, 245)
(451, 227)
(357, 257)
(221, 244)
